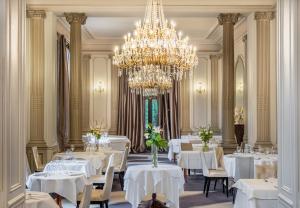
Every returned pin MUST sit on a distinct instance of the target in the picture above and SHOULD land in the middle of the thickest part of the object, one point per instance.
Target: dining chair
(99, 196)
(120, 170)
(212, 174)
(100, 179)
(219, 154)
(37, 160)
(186, 146)
(86, 197)
(266, 170)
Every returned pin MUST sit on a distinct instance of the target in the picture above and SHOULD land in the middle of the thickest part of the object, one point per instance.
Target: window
(151, 111)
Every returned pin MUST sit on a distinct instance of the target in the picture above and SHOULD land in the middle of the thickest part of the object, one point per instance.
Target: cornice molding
(228, 18)
(36, 14)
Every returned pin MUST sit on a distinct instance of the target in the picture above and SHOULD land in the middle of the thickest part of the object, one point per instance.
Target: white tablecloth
(83, 166)
(39, 200)
(192, 159)
(256, 193)
(115, 142)
(175, 144)
(66, 184)
(141, 180)
(230, 161)
(97, 160)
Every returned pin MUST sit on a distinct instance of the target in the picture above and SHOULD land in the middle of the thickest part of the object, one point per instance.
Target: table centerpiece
(205, 134)
(155, 141)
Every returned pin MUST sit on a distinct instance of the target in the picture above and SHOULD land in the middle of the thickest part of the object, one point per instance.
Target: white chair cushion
(97, 179)
(217, 173)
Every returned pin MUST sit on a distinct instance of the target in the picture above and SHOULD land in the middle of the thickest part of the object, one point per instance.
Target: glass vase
(205, 147)
(154, 154)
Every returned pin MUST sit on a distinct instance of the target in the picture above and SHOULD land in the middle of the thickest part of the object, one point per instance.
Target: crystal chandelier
(155, 54)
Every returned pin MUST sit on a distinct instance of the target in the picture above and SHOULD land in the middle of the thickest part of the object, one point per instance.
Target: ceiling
(109, 20)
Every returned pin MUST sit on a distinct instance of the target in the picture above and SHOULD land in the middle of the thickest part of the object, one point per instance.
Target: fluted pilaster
(37, 46)
(263, 77)
(86, 58)
(214, 60)
(228, 21)
(75, 20)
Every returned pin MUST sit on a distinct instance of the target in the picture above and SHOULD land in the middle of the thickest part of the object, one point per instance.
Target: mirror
(240, 99)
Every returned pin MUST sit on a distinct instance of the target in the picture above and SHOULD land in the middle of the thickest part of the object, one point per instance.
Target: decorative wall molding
(288, 98)
(100, 104)
(13, 107)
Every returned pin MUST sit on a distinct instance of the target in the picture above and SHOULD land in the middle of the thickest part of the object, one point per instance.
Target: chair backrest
(36, 157)
(244, 168)
(186, 146)
(195, 141)
(124, 159)
(219, 154)
(110, 164)
(108, 183)
(205, 168)
(263, 171)
(86, 198)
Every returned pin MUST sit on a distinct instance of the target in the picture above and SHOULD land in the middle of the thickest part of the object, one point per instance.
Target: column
(228, 21)
(245, 38)
(41, 126)
(86, 92)
(75, 20)
(263, 77)
(214, 60)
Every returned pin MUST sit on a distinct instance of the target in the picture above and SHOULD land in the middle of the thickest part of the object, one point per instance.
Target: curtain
(131, 115)
(169, 112)
(63, 92)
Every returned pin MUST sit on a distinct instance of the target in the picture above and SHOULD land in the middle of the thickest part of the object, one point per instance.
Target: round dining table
(39, 200)
(142, 180)
(66, 184)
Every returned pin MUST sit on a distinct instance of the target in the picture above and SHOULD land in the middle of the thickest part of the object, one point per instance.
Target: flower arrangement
(153, 137)
(96, 131)
(205, 134)
(155, 141)
(239, 115)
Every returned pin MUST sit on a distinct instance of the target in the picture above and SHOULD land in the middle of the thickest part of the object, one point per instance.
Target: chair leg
(106, 204)
(223, 185)
(205, 184)
(78, 203)
(121, 178)
(226, 186)
(207, 188)
(216, 180)
(234, 190)
(101, 205)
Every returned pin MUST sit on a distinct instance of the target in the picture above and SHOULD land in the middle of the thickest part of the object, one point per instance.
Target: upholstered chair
(210, 174)
(86, 197)
(100, 179)
(37, 160)
(186, 146)
(122, 168)
(99, 196)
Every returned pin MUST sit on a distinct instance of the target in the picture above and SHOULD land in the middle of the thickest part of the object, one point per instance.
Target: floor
(191, 198)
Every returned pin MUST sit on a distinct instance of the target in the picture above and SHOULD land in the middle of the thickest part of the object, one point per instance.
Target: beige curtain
(169, 112)
(63, 92)
(131, 115)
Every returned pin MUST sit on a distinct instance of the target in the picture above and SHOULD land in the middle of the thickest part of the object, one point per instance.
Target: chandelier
(155, 54)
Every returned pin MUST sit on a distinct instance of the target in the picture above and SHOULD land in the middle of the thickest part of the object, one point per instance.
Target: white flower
(157, 130)
(146, 135)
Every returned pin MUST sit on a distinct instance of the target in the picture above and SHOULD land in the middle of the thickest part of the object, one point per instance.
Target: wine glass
(72, 147)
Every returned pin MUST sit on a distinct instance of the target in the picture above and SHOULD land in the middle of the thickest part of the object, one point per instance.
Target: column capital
(76, 17)
(228, 18)
(86, 56)
(36, 14)
(264, 15)
(215, 56)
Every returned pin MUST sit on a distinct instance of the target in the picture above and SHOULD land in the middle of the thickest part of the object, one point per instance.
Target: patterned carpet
(191, 198)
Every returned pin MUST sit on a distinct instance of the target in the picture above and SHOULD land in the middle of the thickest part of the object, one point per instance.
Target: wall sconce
(240, 87)
(99, 88)
(200, 88)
